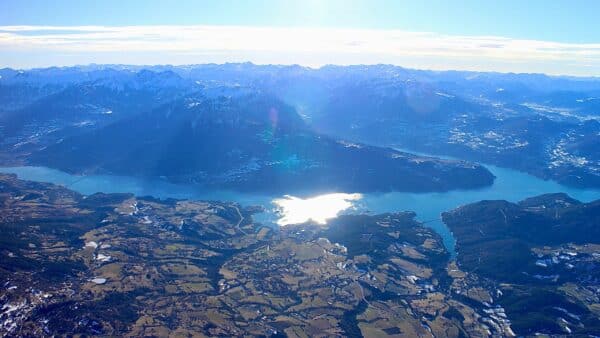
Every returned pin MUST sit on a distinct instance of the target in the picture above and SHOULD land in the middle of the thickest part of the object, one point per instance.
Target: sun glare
(319, 209)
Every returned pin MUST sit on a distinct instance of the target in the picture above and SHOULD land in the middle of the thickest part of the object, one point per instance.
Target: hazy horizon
(516, 37)
(315, 68)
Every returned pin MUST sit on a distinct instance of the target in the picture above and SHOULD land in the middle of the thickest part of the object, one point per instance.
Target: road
(240, 221)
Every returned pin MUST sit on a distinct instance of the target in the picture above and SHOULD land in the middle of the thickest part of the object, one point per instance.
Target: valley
(237, 199)
(115, 264)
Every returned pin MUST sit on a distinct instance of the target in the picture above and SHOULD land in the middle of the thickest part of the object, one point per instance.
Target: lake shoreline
(509, 185)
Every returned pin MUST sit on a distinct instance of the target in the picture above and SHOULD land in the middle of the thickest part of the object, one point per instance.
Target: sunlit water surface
(509, 185)
(319, 209)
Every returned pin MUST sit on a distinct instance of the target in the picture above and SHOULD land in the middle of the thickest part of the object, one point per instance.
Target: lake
(509, 185)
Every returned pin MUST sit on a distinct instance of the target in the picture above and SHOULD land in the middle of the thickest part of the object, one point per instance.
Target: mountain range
(244, 125)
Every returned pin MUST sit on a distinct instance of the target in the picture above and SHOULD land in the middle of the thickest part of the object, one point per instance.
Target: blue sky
(555, 20)
(556, 37)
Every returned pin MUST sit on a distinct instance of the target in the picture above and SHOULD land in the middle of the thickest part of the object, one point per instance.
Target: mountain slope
(253, 142)
(542, 256)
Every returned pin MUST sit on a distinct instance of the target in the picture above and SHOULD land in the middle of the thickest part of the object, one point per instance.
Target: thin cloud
(307, 46)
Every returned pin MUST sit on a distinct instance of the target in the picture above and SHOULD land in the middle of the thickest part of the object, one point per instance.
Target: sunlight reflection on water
(319, 209)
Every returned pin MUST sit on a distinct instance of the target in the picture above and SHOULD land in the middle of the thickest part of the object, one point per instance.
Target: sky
(554, 37)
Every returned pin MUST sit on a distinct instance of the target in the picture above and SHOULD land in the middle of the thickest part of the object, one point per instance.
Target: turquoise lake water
(509, 185)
